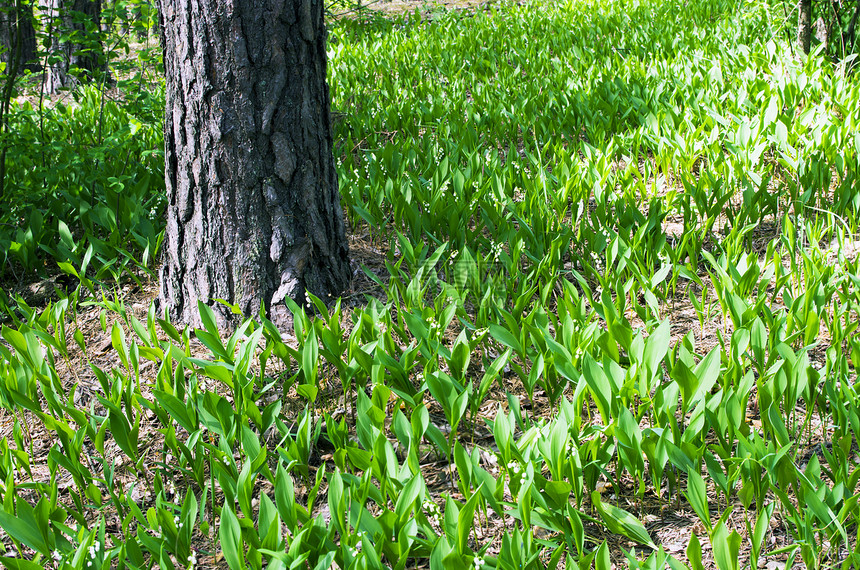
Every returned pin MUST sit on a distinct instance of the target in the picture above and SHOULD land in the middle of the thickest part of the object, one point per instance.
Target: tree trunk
(804, 25)
(849, 33)
(67, 16)
(13, 18)
(253, 211)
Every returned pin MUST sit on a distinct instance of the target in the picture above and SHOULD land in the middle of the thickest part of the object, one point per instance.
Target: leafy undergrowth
(607, 316)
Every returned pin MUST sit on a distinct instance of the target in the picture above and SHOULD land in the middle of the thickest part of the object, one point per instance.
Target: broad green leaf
(465, 521)
(726, 547)
(698, 497)
(622, 522)
(207, 318)
(177, 410)
(25, 529)
(505, 337)
(600, 387)
(694, 553)
(119, 343)
(656, 347)
(230, 535)
(19, 564)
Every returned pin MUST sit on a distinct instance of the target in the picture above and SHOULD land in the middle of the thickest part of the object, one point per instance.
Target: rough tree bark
(804, 25)
(13, 17)
(66, 16)
(253, 211)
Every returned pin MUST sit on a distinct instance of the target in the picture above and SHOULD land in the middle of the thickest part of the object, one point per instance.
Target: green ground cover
(604, 312)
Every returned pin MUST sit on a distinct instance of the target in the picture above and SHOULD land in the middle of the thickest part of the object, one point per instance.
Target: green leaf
(707, 373)
(25, 529)
(207, 318)
(656, 347)
(117, 336)
(285, 498)
(771, 112)
(308, 392)
(698, 497)
(726, 548)
(600, 387)
(310, 358)
(621, 522)
(177, 410)
(762, 524)
(602, 561)
(505, 337)
(465, 520)
(230, 534)
(213, 343)
(558, 491)
(694, 553)
(19, 564)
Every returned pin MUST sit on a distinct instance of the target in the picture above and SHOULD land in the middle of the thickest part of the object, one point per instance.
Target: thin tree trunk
(254, 211)
(71, 16)
(804, 25)
(10, 75)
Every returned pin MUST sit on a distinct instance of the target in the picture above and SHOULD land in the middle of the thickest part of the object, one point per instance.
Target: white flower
(478, 562)
(432, 511)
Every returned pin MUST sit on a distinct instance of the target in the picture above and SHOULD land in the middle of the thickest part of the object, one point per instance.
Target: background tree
(804, 25)
(253, 211)
(17, 52)
(14, 18)
(831, 23)
(849, 35)
(75, 40)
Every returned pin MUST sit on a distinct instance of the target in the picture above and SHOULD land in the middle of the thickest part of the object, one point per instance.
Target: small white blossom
(432, 511)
